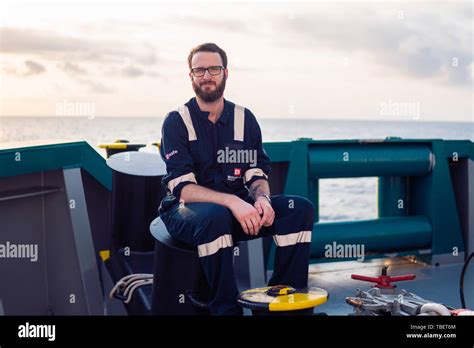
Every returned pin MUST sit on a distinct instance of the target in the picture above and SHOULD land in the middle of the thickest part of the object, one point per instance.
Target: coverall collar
(205, 114)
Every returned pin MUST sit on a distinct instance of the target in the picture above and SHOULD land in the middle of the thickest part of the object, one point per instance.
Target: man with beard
(213, 200)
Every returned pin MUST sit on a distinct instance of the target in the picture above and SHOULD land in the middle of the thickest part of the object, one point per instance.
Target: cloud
(96, 87)
(54, 46)
(77, 56)
(72, 68)
(30, 68)
(33, 68)
(131, 71)
(148, 57)
(224, 24)
(37, 41)
(413, 42)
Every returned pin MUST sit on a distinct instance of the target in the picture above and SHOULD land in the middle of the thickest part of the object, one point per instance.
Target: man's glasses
(213, 70)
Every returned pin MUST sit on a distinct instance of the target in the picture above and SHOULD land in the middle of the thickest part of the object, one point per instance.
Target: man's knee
(307, 206)
(299, 203)
(216, 214)
(215, 222)
(301, 208)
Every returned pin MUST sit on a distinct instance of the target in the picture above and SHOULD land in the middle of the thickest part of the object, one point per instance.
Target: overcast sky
(321, 60)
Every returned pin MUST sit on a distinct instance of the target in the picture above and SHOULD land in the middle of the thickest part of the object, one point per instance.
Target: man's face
(208, 87)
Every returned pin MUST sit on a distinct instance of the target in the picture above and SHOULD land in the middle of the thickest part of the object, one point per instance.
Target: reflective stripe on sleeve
(250, 173)
(186, 177)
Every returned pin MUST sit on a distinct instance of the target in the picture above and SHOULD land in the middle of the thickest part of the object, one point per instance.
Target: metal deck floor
(438, 284)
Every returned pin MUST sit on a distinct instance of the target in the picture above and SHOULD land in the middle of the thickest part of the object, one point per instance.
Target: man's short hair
(208, 47)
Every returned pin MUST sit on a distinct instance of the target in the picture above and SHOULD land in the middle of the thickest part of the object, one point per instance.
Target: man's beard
(210, 96)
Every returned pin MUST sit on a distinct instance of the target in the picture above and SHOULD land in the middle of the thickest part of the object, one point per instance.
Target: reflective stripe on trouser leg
(213, 247)
(292, 235)
(292, 238)
(217, 260)
(291, 265)
(207, 227)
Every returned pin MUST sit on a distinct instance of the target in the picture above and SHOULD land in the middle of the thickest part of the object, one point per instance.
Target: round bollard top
(137, 163)
(282, 298)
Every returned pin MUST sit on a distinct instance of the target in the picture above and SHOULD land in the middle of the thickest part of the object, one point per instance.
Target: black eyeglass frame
(221, 68)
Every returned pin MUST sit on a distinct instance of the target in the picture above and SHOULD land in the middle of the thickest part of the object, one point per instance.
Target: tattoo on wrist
(255, 192)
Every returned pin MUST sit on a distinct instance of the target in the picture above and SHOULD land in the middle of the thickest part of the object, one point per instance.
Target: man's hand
(246, 215)
(264, 208)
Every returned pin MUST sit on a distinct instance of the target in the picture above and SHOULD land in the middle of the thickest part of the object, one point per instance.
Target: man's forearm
(259, 187)
(195, 193)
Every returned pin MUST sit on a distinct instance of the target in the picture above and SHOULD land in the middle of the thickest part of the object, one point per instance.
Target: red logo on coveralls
(236, 171)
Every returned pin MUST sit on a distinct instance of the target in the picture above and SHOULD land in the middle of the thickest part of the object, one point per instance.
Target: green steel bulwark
(417, 203)
(389, 234)
(35, 159)
(363, 160)
(416, 199)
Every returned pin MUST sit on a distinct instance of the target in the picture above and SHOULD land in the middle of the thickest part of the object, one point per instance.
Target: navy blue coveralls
(197, 151)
